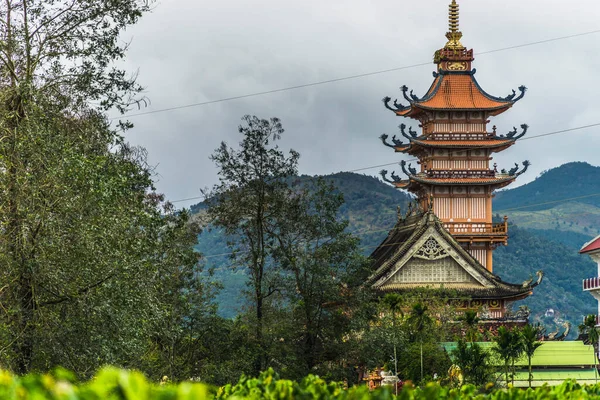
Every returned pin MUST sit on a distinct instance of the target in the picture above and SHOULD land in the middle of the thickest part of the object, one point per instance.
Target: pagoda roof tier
(416, 145)
(455, 177)
(453, 91)
(419, 252)
(443, 140)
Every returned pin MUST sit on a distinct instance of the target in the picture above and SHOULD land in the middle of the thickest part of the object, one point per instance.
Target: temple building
(592, 285)
(448, 238)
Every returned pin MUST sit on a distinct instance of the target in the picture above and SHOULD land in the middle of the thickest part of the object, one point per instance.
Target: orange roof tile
(461, 92)
(433, 85)
(456, 92)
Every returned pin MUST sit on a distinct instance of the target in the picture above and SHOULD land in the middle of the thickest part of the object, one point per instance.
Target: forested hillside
(576, 179)
(534, 242)
(562, 201)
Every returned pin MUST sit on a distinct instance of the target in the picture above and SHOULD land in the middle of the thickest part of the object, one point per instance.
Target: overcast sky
(191, 51)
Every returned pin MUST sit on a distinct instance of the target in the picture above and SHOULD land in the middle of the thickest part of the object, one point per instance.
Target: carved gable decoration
(431, 250)
(432, 271)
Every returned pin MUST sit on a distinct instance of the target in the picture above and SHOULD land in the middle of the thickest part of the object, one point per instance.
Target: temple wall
(459, 164)
(480, 255)
(461, 208)
(458, 127)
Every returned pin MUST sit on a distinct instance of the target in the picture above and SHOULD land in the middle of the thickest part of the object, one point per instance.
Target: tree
(85, 242)
(473, 362)
(529, 337)
(393, 303)
(252, 182)
(508, 346)
(590, 331)
(65, 51)
(323, 271)
(420, 322)
(471, 320)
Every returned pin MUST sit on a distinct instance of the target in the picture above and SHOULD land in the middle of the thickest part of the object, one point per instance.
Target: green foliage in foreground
(114, 384)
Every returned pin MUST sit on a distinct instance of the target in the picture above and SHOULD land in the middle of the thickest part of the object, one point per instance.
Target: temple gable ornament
(431, 250)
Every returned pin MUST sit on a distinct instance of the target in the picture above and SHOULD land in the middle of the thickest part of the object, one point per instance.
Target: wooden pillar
(488, 205)
(489, 254)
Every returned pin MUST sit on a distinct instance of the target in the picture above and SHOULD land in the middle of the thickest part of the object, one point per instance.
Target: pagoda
(447, 240)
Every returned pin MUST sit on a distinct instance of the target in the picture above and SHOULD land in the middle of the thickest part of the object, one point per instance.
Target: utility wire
(416, 159)
(318, 83)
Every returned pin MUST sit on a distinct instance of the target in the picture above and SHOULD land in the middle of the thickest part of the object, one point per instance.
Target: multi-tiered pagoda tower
(455, 148)
(448, 239)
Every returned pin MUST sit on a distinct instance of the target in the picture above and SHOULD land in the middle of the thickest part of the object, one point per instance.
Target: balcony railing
(459, 174)
(440, 136)
(591, 283)
(473, 228)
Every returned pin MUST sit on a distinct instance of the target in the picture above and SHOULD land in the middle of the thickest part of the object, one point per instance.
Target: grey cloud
(191, 51)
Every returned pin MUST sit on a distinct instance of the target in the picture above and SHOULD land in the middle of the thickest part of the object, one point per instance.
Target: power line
(318, 83)
(416, 159)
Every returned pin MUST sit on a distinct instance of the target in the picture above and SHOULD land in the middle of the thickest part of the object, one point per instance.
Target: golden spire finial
(453, 34)
(453, 16)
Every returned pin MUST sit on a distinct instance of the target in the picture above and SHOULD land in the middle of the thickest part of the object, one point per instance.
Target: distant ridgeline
(542, 237)
(576, 179)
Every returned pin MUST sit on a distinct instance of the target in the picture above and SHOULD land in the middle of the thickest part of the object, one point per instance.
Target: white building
(592, 285)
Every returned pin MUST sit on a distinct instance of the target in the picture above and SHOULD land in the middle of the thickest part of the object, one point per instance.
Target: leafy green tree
(87, 246)
(427, 358)
(93, 245)
(529, 339)
(246, 204)
(323, 271)
(185, 329)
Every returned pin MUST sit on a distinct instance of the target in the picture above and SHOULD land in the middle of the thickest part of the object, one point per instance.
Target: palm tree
(589, 329)
(507, 345)
(471, 320)
(419, 320)
(529, 336)
(393, 303)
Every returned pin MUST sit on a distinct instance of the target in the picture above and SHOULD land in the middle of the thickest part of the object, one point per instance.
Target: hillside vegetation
(545, 237)
(576, 179)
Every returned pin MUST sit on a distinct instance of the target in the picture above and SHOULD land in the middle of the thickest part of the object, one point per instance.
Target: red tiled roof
(459, 91)
(591, 246)
(456, 92)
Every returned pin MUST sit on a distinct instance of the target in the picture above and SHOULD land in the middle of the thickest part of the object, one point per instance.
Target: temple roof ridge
(411, 230)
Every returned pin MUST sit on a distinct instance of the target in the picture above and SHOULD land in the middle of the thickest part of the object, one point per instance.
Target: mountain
(545, 237)
(575, 179)
(563, 199)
